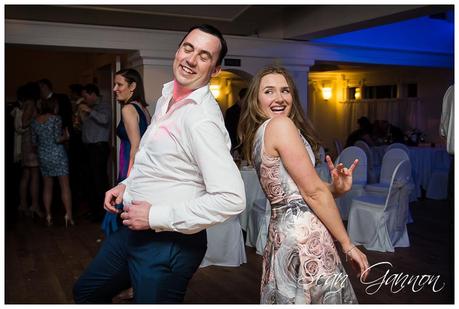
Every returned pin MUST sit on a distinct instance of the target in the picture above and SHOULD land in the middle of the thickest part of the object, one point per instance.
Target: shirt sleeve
(225, 195)
(101, 114)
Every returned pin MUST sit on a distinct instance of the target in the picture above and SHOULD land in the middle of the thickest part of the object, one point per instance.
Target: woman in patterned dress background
(300, 262)
(47, 135)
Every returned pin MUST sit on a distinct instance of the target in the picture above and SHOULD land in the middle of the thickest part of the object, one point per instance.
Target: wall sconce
(215, 89)
(357, 93)
(326, 93)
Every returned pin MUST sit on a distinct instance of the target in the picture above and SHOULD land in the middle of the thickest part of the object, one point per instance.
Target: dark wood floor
(43, 263)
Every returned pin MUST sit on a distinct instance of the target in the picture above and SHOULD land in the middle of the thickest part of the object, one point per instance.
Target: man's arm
(102, 113)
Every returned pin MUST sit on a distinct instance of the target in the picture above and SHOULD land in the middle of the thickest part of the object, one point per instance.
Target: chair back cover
(399, 146)
(338, 146)
(225, 244)
(347, 157)
(397, 201)
(390, 161)
(379, 223)
(322, 154)
(364, 146)
(322, 167)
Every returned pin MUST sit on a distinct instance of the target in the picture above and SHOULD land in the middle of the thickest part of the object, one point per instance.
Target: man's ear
(216, 70)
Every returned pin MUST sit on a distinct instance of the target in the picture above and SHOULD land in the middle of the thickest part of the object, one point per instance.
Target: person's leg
(161, 264)
(66, 197)
(107, 274)
(48, 197)
(25, 177)
(34, 191)
(98, 156)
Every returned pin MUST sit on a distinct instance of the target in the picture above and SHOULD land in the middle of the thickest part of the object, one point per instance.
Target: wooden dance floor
(43, 263)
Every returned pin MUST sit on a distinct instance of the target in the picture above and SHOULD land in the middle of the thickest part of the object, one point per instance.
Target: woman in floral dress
(300, 262)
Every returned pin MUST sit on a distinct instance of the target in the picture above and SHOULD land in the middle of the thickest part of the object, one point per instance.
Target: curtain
(403, 113)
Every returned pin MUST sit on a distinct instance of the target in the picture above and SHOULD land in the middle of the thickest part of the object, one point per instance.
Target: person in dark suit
(363, 133)
(232, 119)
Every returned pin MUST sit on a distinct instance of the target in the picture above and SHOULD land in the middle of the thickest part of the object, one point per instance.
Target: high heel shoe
(23, 211)
(68, 221)
(35, 212)
(49, 220)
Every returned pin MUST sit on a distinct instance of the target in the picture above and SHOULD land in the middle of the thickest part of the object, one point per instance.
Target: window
(380, 92)
(411, 90)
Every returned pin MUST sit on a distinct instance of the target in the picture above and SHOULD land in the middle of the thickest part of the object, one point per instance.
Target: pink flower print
(310, 269)
(302, 231)
(313, 244)
(274, 192)
(330, 260)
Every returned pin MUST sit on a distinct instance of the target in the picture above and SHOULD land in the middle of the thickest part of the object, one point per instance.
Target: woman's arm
(282, 139)
(131, 123)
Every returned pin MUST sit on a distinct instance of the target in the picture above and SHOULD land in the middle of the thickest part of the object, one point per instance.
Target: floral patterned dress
(300, 261)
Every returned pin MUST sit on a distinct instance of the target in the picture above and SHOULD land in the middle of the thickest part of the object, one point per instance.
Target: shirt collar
(195, 96)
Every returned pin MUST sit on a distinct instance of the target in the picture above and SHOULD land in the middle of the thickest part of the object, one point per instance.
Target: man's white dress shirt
(184, 168)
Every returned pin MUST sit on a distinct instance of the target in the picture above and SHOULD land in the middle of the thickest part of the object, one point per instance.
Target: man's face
(89, 98)
(44, 91)
(196, 59)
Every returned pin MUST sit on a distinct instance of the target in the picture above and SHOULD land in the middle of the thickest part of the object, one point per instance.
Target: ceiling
(290, 22)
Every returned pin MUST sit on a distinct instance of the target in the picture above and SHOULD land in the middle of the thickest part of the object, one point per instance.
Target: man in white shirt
(183, 181)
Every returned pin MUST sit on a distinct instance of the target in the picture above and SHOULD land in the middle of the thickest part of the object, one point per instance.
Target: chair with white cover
(338, 146)
(256, 221)
(322, 167)
(437, 187)
(372, 170)
(225, 244)
(359, 177)
(379, 223)
(262, 237)
(399, 146)
(390, 161)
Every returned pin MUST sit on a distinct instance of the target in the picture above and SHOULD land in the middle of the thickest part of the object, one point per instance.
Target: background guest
(363, 133)
(232, 119)
(28, 95)
(135, 118)
(63, 107)
(47, 135)
(95, 133)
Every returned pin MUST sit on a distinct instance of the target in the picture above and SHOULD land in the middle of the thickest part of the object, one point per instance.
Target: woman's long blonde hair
(252, 116)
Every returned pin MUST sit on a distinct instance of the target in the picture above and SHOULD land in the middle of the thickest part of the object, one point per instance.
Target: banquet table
(253, 192)
(424, 161)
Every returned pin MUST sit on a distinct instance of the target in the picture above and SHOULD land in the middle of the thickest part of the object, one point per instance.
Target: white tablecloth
(253, 191)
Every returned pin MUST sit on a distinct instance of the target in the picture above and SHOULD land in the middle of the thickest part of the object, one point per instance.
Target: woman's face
(274, 95)
(122, 89)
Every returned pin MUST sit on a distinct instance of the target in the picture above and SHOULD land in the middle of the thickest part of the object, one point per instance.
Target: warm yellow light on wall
(326, 93)
(357, 94)
(215, 89)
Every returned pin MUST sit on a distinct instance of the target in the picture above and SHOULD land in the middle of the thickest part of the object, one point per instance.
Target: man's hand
(135, 216)
(113, 197)
(341, 176)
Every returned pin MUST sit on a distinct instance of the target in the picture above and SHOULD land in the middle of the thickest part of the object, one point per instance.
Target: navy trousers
(157, 265)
